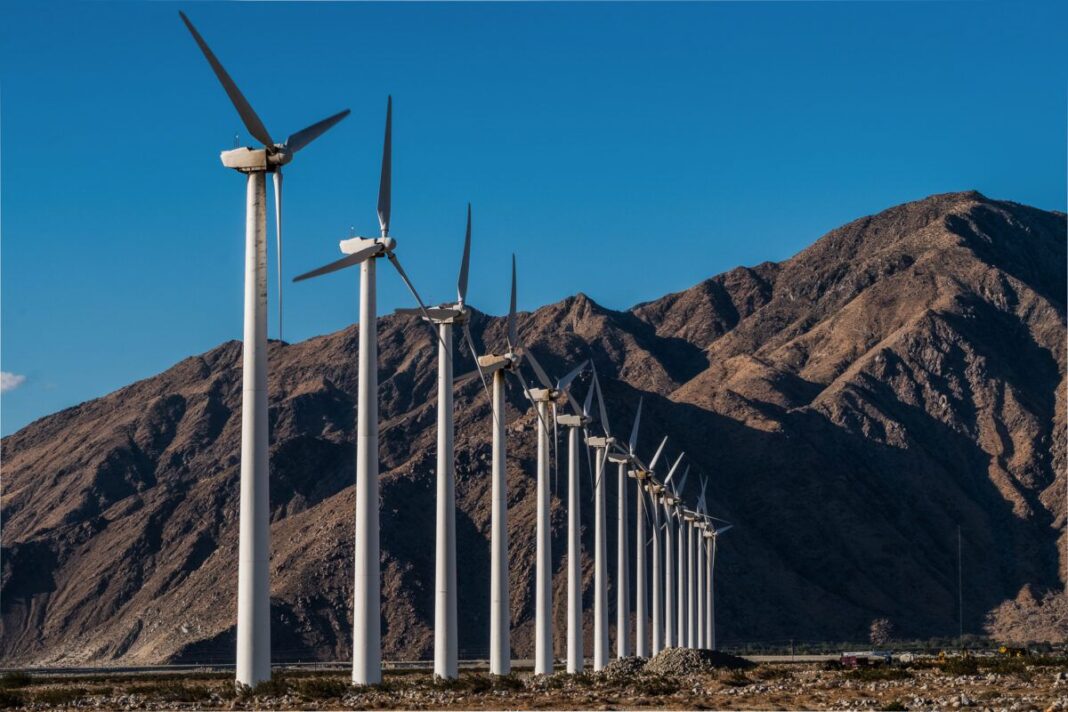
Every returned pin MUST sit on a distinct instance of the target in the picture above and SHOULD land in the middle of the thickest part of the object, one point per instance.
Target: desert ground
(674, 680)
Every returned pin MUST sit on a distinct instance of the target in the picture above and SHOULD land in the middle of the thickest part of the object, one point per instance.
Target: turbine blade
(302, 138)
(682, 485)
(701, 498)
(633, 442)
(347, 261)
(645, 507)
(461, 283)
(556, 450)
(526, 392)
(385, 185)
(589, 460)
(600, 401)
(474, 355)
(564, 382)
(674, 467)
(513, 338)
(589, 398)
(278, 239)
(652, 464)
(538, 370)
(601, 467)
(411, 288)
(244, 109)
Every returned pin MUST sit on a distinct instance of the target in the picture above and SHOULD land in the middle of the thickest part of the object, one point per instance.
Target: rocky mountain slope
(851, 406)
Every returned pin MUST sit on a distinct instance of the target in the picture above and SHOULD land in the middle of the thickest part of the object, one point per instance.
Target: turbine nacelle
(250, 158)
(491, 363)
(573, 421)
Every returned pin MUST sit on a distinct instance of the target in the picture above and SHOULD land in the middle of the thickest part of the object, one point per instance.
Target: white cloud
(10, 381)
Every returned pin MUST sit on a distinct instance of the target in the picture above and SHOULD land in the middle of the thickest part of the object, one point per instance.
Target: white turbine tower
(623, 555)
(253, 577)
(629, 467)
(444, 317)
(496, 365)
(676, 622)
(714, 537)
(670, 502)
(602, 445)
(691, 580)
(652, 488)
(543, 594)
(367, 588)
(701, 525)
(574, 422)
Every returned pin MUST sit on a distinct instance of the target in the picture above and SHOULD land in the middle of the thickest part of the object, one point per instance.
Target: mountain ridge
(904, 371)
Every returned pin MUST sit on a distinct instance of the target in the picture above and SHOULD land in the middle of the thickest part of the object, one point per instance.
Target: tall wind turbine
(543, 594)
(701, 525)
(670, 502)
(629, 467)
(253, 578)
(444, 317)
(713, 535)
(623, 462)
(652, 488)
(602, 446)
(691, 579)
(672, 511)
(496, 365)
(367, 588)
(575, 421)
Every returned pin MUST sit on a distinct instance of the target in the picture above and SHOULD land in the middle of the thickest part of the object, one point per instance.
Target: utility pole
(960, 591)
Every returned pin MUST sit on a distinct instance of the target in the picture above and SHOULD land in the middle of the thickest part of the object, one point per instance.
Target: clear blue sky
(624, 150)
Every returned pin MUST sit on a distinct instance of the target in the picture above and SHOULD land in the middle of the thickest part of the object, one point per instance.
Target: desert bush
(765, 672)
(320, 688)
(275, 687)
(893, 706)
(879, 672)
(15, 679)
(510, 682)
(59, 696)
(964, 665)
(473, 683)
(655, 685)
(171, 691)
(736, 678)
(10, 699)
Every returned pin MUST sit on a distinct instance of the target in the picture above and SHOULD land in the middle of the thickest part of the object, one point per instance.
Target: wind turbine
(628, 467)
(691, 579)
(367, 590)
(701, 525)
(578, 420)
(602, 445)
(444, 317)
(652, 488)
(253, 577)
(713, 535)
(670, 501)
(543, 633)
(623, 552)
(673, 507)
(496, 365)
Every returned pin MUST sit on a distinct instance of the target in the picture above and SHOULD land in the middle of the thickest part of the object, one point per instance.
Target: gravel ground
(627, 684)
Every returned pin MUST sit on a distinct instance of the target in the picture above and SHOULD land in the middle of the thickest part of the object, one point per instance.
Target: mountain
(851, 406)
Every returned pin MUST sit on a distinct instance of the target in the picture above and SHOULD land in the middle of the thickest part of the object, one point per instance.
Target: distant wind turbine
(367, 588)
